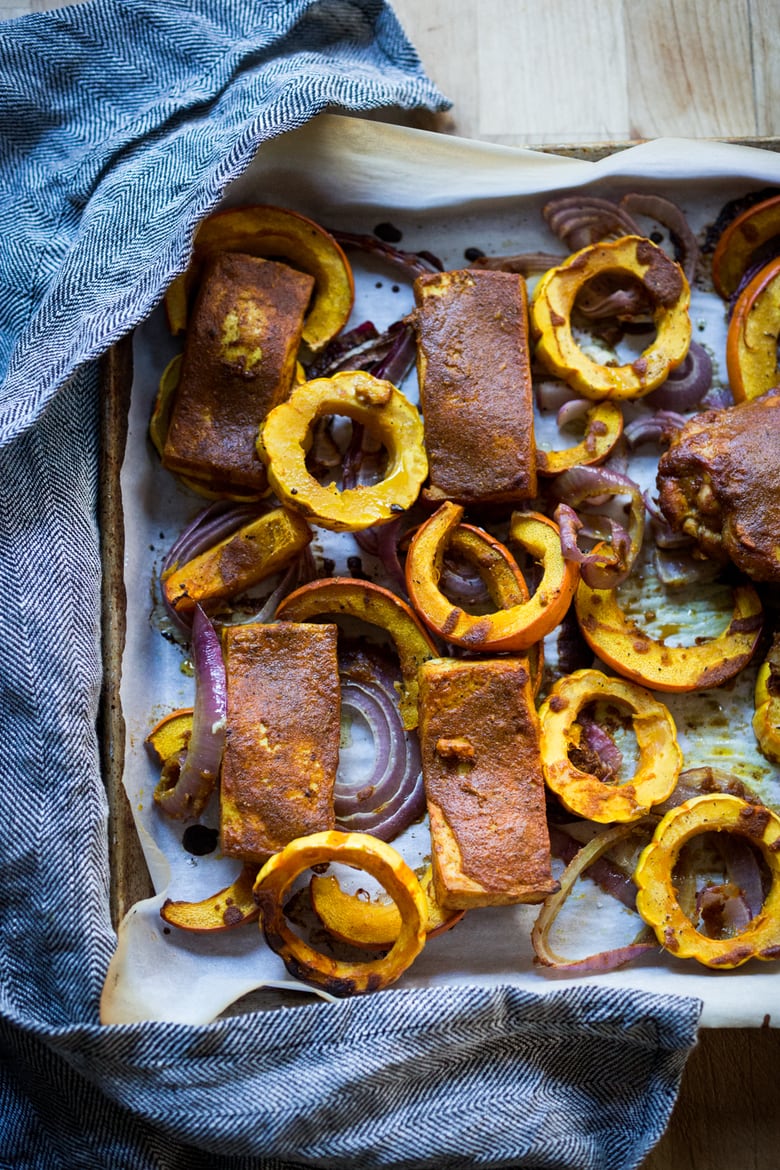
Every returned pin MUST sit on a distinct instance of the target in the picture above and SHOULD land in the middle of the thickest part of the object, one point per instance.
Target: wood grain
(564, 72)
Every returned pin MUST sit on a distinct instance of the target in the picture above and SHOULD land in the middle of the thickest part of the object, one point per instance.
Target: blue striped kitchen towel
(121, 123)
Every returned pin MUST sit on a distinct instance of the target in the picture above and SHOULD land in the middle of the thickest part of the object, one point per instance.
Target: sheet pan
(445, 195)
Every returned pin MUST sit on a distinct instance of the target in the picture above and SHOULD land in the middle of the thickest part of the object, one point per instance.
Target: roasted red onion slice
(412, 263)
(525, 263)
(601, 742)
(742, 870)
(607, 876)
(686, 386)
(183, 792)
(653, 428)
(607, 568)
(385, 796)
(603, 960)
(552, 393)
(679, 568)
(609, 296)
(381, 541)
(580, 220)
(702, 781)
(722, 910)
(211, 525)
(670, 216)
(399, 356)
(344, 351)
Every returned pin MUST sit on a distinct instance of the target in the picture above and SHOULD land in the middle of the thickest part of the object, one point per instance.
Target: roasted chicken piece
(718, 482)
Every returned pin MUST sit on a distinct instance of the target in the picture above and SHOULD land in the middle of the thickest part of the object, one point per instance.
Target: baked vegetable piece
(239, 362)
(283, 729)
(475, 386)
(479, 738)
(751, 343)
(555, 298)
(252, 553)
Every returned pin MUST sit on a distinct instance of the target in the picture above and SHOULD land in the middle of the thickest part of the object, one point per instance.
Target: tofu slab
(473, 366)
(283, 730)
(238, 363)
(479, 738)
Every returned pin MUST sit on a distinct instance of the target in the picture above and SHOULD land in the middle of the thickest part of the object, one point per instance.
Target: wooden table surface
(565, 72)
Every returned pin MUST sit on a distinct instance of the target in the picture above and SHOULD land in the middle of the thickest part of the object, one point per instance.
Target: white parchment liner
(445, 194)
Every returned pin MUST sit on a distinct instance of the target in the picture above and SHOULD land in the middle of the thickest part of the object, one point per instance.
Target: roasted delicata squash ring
(362, 923)
(515, 628)
(230, 907)
(273, 233)
(766, 717)
(554, 301)
(740, 239)
(171, 734)
(503, 578)
(633, 654)
(603, 428)
(654, 876)
(364, 852)
(286, 436)
(751, 341)
(585, 795)
(378, 607)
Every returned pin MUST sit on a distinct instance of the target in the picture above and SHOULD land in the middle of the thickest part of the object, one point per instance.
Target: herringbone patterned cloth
(120, 125)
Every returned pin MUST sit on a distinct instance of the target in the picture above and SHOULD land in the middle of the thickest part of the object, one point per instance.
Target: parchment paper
(445, 195)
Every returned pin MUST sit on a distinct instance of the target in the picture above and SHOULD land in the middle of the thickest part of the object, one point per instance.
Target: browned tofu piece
(238, 363)
(479, 737)
(283, 730)
(474, 371)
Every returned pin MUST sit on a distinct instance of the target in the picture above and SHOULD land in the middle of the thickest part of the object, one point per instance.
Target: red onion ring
(602, 743)
(339, 353)
(183, 792)
(686, 386)
(604, 960)
(413, 263)
(653, 428)
(606, 875)
(668, 214)
(524, 263)
(742, 870)
(702, 781)
(391, 796)
(572, 411)
(401, 354)
(608, 568)
(552, 393)
(610, 295)
(580, 220)
(722, 910)
(381, 541)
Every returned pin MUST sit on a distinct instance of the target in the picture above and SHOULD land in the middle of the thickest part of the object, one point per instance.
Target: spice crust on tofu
(283, 730)
(474, 372)
(239, 362)
(479, 739)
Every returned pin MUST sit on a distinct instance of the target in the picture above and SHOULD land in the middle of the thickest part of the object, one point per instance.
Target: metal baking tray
(342, 171)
